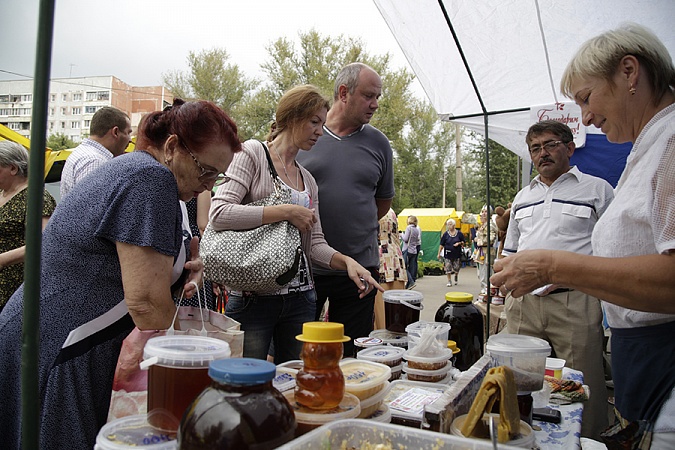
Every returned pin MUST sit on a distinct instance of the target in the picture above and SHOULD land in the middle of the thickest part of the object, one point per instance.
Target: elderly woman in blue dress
(107, 257)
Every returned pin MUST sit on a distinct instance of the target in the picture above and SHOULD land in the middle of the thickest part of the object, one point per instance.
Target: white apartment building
(73, 102)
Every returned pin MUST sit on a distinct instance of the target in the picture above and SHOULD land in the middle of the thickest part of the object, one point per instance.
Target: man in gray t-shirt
(352, 164)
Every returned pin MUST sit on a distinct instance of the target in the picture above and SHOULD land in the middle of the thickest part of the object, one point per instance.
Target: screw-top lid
(322, 332)
(458, 297)
(245, 371)
(452, 345)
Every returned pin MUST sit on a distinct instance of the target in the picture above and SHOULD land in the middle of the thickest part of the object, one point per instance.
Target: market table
(567, 434)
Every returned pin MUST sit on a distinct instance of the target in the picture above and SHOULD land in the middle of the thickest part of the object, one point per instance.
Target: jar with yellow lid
(320, 383)
(466, 327)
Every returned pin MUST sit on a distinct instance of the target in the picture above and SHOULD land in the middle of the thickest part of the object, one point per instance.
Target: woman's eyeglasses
(207, 175)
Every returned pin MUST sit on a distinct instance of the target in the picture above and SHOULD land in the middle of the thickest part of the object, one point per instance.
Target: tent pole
(30, 399)
(487, 155)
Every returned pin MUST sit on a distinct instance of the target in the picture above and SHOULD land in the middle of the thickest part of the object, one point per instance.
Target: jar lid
(322, 332)
(452, 345)
(458, 297)
(516, 343)
(398, 295)
(185, 350)
(381, 354)
(245, 371)
(367, 342)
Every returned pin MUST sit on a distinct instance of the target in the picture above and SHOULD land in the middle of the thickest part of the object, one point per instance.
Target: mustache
(546, 159)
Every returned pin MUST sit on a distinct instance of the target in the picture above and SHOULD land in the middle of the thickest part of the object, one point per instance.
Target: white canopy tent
(515, 52)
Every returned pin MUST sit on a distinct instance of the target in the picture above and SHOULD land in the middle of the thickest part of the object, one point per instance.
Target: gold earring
(632, 90)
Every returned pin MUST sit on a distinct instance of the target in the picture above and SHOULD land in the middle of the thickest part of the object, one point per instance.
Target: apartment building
(73, 102)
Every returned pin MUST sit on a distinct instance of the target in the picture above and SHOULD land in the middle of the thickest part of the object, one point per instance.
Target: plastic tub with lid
(416, 329)
(364, 378)
(309, 419)
(134, 432)
(383, 354)
(437, 361)
(178, 372)
(429, 376)
(372, 403)
(401, 308)
(382, 415)
(525, 355)
(406, 400)
(391, 338)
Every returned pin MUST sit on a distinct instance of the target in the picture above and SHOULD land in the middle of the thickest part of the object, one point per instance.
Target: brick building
(73, 102)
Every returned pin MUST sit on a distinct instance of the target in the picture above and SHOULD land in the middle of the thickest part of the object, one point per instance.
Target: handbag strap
(273, 171)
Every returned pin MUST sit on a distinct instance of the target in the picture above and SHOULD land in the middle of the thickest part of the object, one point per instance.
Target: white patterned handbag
(262, 259)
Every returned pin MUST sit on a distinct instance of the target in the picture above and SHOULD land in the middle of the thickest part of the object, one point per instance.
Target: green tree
(59, 141)
(503, 174)
(211, 77)
(421, 156)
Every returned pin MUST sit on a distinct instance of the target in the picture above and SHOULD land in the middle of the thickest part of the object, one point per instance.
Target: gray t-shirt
(351, 171)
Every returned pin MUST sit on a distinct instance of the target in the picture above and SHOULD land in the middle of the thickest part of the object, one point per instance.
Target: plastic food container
(284, 378)
(428, 376)
(406, 400)
(436, 362)
(363, 343)
(390, 338)
(382, 415)
(179, 371)
(396, 372)
(525, 355)
(401, 308)
(372, 403)
(359, 433)
(134, 432)
(364, 378)
(414, 331)
(383, 354)
(524, 440)
(554, 367)
(309, 419)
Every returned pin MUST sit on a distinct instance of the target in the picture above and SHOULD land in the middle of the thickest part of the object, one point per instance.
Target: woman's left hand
(196, 268)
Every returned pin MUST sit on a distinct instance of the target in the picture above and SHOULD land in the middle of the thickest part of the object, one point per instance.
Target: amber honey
(170, 392)
(320, 384)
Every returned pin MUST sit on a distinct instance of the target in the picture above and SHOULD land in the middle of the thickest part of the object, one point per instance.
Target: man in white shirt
(558, 211)
(110, 134)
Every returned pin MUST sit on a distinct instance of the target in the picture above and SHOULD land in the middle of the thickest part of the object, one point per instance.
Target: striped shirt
(85, 159)
(560, 216)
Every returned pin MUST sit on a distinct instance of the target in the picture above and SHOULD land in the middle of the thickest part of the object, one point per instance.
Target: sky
(137, 41)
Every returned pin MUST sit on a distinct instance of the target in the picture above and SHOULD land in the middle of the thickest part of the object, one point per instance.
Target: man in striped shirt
(110, 134)
(558, 211)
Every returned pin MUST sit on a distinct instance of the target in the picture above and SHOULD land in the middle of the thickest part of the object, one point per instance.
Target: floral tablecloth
(566, 434)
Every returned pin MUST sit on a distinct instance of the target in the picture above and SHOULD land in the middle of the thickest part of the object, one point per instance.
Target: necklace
(283, 166)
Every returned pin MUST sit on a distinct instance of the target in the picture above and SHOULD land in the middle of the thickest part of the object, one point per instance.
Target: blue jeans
(411, 264)
(264, 317)
(345, 306)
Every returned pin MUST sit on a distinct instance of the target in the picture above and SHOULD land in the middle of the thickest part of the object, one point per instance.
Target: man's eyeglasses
(207, 175)
(549, 146)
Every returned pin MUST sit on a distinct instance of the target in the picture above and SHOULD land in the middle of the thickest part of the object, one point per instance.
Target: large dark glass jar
(466, 327)
(240, 409)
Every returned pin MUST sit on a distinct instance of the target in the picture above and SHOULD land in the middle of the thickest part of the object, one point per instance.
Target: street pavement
(433, 288)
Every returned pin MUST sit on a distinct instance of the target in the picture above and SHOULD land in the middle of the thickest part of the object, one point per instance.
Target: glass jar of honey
(320, 383)
(240, 409)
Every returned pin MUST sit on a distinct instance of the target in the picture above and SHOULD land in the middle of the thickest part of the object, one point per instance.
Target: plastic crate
(352, 433)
